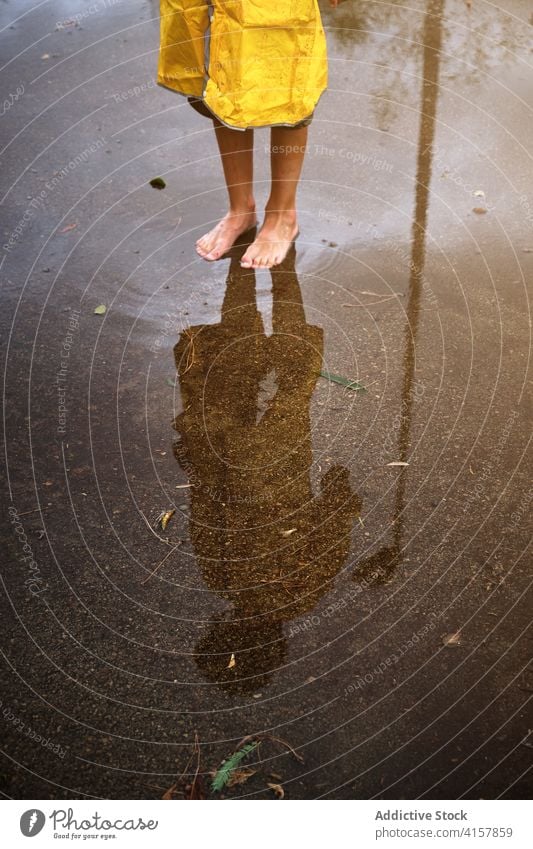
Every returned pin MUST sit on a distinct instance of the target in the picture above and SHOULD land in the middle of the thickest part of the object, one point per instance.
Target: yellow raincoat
(255, 63)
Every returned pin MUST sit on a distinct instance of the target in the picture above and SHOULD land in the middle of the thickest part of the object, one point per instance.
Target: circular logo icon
(31, 822)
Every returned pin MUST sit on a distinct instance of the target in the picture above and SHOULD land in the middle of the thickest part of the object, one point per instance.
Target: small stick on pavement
(161, 563)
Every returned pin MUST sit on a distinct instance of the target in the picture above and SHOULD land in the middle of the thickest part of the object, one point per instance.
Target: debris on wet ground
(479, 210)
(452, 640)
(69, 227)
(165, 518)
(382, 299)
(289, 532)
(224, 772)
(398, 463)
(224, 776)
(157, 183)
(101, 309)
(278, 790)
(232, 662)
(183, 789)
(164, 560)
(239, 776)
(343, 381)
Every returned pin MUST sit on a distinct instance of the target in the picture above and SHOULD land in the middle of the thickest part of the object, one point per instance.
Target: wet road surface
(344, 440)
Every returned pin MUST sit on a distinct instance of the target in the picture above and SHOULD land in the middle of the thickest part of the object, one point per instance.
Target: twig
(170, 235)
(258, 737)
(161, 563)
(288, 746)
(190, 347)
(197, 750)
(371, 303)
(36, 510)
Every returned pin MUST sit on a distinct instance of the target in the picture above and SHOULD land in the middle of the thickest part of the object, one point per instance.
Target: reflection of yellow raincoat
(255, 62)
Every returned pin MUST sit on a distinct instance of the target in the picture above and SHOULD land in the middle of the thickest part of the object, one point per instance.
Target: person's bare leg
(280, 226)
(236, 151)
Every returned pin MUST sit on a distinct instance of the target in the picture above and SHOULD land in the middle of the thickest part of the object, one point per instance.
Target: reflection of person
(246, 64)
(264, 541)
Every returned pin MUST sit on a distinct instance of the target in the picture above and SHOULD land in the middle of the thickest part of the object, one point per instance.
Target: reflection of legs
(239, 307)
(280, 226)
(288, 314)
(236, 151)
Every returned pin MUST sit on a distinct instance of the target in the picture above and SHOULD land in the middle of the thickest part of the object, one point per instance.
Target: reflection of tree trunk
(432, 40)
(385, 560)
(264, 541)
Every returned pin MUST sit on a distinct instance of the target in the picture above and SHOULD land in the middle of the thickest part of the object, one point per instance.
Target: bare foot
(272, 243)
(219, 240)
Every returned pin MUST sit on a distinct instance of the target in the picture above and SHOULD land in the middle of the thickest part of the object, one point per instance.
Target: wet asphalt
(344, 439)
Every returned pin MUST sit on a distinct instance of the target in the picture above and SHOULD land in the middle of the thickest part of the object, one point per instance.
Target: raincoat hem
(234, 126)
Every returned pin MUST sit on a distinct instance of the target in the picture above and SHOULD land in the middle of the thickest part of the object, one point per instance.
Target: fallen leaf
(452, 639)
(239, 776)
(278, 789)
(158, 183)
(289, 532)
(479, 210)
(170, 792)
(343, 381)
(166, 517)
(397, 463)
(232, 662)
(100, 310)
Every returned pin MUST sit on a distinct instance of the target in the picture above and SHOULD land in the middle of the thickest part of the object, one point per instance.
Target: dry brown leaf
(166, 517)
(479, 210)
(278, 789)
(239, 776)
(170, 792)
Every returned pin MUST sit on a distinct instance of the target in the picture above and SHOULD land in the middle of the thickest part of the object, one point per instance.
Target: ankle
(246, 207)
(280, 213)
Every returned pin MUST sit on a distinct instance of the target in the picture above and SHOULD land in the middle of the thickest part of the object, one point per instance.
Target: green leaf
(100, 310)
(343, 381)
(223, 773)
(158, 183)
